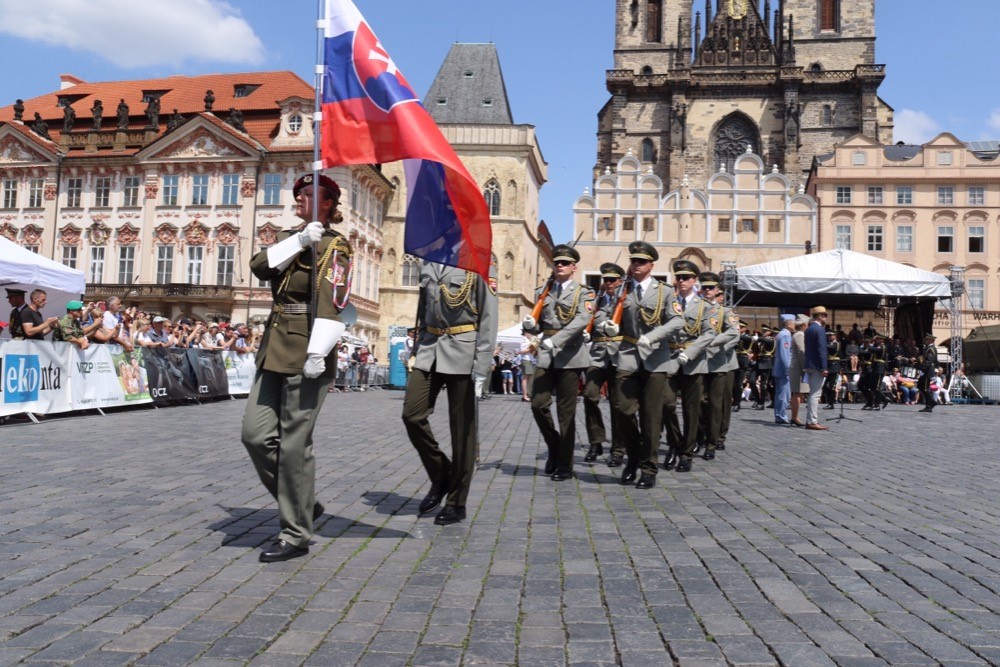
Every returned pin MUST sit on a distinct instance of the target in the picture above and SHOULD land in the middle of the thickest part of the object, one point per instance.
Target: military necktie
(683, 303)
(638, 291)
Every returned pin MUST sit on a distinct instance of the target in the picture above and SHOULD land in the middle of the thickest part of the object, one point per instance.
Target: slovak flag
(371, 115)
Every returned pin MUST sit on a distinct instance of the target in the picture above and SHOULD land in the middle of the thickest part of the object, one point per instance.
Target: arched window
(491, 193)
(648, 151)
(829, 15)
(654, 20)
(827, 115)
(411, 271)
(646, 69)
(732, 137)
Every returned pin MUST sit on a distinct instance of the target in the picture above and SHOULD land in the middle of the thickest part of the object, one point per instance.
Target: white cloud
(994, 119)
(137, 33)
(914, 127)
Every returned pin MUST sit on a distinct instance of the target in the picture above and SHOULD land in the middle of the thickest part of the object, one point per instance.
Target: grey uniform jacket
(722, 350)
(602, 348)
(444, 351)
(654, 306)
(690, 330)
(570, 349)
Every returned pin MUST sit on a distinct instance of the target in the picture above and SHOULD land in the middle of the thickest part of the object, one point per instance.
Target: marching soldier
(566, 311)
(721, 362)
(686, 334)
(295, 364)
(765, 363)
(601, 371)
(867, 374)
(878, 372)
(642, 369)
(743, 347)
(457, 320)
(928, 364)
(833, 368)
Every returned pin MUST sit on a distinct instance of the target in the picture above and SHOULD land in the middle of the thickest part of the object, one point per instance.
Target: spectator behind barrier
(36, 326)
(69, 328)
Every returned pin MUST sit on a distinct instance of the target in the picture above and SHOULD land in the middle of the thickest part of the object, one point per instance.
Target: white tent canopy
(841, 277)
(510, 339)
(23, 269)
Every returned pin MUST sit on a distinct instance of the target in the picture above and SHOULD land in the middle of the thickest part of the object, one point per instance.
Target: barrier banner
(104, 376)
(210, 371)
(35, 377)
(171, 374)
(240, 369)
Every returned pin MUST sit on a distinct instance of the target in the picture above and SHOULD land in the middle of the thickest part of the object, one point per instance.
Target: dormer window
(488, 102)
(150, 95)
(295, 123)
(468, 74)
(442, 101)
(244, 89)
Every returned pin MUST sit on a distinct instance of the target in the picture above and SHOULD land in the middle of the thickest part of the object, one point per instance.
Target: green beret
(74, 305)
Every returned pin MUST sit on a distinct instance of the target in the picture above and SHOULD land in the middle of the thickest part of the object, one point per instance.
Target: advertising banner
(35, 377)
(240, 369)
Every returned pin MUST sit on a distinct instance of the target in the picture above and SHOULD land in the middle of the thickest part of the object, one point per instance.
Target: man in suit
(780, 370)
(601, 371)
(457, 324)
(815, 365)
(566, 311)
(296, 362)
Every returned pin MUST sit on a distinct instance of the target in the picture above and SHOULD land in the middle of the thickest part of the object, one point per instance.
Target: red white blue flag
(371, 116)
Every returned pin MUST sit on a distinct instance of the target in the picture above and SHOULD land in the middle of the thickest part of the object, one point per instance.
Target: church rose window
(732, 138)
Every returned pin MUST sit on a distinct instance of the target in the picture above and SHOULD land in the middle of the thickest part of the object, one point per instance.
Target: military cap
(611, 270)
(744, 324)
(929, 336)
(642, 250)
(683, 267)
(566, 253)
(708, 279)
(324, 182)
(14, 292)
(74, 305)
(765, 328)
(831, 332)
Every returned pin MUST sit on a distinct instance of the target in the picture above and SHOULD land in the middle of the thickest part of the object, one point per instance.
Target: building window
(491, 193)
(199, 190)
(648, 151)
(946, 239)
(170, 184)
(295, 123)
(842, 237)
(945, 195)
(977, 239)
(829, 15)
(102, 192)
(69, 256)
(875, 195)
(874, 238)
(827, 115)
(976, 289)
(904, 238)
(944, 158)
(126, 264)
(130, 191)
(164, 264)
(774, 225)
(96, 274)
(843, 194)
(724, 225)
(628, 224)
(904, 195)
(36, 187)
(9, 193)
(649, 224)
(378, 214)
(230, 189)
(748, 225)
(411, 271)
(195, 255)
(272, 189)
(74, 188)
(654, 20)
(226, 265)
(977, 196)
(355, 195)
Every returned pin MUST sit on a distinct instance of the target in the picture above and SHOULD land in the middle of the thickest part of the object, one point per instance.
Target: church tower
(697, 81)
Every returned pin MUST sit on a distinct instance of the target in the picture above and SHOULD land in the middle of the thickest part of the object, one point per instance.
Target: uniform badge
(492, 284)
(734, 319)
(336, 275)
(589, 306)
(677, 308)
(714, 322)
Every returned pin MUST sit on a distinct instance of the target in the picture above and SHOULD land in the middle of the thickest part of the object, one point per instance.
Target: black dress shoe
(684, 465)
(432, 499)
(597, 449)
(615, 460)
(628, 474)
(646, 481)
(736, 408)
(709, 455)
(669, 460)
(450, 514)
(721, 446)
(550, 465)
(282, 550)
(562, 475)
(318, 510)
(926, 410)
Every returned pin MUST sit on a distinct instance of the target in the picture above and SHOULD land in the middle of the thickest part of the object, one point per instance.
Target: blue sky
(553, 54)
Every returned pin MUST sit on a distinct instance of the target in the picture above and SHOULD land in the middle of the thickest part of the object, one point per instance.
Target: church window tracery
(732, 137)
(491, 193)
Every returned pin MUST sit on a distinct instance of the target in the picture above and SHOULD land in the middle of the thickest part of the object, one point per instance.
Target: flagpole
(321, 19)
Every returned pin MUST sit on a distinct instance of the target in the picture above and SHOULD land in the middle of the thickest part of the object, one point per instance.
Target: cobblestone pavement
(133, 539)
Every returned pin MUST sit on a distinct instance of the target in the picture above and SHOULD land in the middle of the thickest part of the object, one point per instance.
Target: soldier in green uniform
(765, 363)
(832, 367)
(70, 328)
(928, 364)
(721, 359)
(296, 363)
(457, 325)
(602, 370)
(687, 334)
(563, 354)
(743, 348)
(878, 372)
(866, 379)
(15, 297)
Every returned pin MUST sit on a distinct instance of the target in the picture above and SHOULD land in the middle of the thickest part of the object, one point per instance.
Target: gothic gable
(736, 37)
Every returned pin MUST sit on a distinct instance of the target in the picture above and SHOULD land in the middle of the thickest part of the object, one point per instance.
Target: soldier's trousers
(830, 386)
(277, 432)
(739, 375)
(727, 405)
(713, 388)
(690, 389)
(565, 384)
(764, 375)
(641, 392)
(422, 389)
(596, 433)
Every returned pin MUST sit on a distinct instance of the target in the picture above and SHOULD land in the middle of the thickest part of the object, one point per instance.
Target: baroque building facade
(694, 83)
(468, 100)
(164, 194)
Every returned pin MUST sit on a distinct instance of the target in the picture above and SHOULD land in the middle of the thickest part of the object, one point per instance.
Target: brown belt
(629, 339)
(607, 339)
(451, 331)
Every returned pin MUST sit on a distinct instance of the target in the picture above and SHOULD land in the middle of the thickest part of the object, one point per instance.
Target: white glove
(586, 337)
(682, 358)
(315, 365)
(643, 344)
(312, 233)
(528, 322)
(548, 344)
(611, 329)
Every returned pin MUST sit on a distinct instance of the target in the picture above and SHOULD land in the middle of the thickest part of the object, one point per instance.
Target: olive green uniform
(284, 404)
(67, 329)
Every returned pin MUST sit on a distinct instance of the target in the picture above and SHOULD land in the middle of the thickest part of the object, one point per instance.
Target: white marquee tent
(23, 269)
